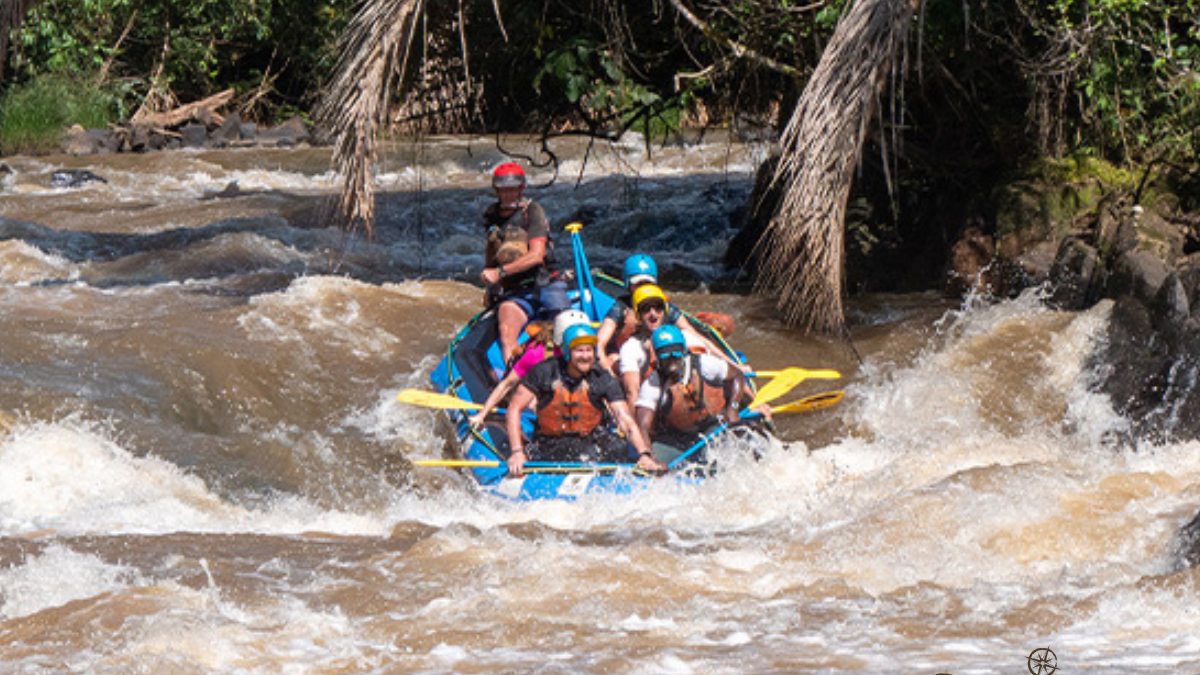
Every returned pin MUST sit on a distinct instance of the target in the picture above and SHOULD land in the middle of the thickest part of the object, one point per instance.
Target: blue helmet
(640, 268)
(668, 342)
(578, 334)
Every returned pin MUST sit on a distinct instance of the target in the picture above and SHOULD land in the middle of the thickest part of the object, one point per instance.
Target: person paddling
(623, 320)
(573, 397)
(542, 346)
(686, 395)
(636, 358)
(517, 252)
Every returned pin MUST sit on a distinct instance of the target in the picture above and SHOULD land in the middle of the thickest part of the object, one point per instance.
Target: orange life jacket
(689, 406)
(569, 413)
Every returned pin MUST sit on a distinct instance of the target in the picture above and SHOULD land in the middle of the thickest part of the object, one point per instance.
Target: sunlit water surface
(206, 472)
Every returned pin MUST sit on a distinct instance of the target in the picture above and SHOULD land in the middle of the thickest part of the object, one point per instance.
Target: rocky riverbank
(1099, 235)
(1080, 232)
(195, 125)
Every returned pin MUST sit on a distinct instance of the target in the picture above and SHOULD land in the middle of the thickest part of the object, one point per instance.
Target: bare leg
(512, 320)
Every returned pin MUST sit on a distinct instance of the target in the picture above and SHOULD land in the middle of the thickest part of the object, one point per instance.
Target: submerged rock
(72, 178)
(1187, 544)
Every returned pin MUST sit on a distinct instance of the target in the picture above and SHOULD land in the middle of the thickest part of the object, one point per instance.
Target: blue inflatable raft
(469, 370)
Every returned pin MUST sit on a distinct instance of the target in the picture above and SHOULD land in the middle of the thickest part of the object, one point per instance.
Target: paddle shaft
(583, 273)
(529, 466)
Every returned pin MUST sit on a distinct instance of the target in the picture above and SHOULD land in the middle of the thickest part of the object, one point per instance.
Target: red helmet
(508, 175)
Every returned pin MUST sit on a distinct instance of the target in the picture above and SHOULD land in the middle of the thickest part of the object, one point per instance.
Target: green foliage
(1139, 82)
(200, 46)
(34, 114)
(588, 77)
(1081, 166)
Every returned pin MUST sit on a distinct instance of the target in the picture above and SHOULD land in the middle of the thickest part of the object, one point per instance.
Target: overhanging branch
(739, 50)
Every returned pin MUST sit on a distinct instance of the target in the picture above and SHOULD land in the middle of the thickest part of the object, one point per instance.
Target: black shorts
(602, 446)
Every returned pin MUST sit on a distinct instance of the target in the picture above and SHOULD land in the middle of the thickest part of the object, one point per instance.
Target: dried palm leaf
(374, 54)
(804, 242)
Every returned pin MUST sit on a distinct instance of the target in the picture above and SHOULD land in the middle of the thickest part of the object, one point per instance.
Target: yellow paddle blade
(432, 399)
(786, 380)
(456, 463)
(814, 402)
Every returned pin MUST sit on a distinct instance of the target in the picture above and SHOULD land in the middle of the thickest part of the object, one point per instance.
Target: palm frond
(803, 245)
(375, 50)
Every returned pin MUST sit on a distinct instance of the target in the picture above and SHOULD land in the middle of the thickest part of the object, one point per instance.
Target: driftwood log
(203, 111)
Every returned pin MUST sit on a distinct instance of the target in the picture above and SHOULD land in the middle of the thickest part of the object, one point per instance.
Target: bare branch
(499, 19)
(739, 50)
(107, 65)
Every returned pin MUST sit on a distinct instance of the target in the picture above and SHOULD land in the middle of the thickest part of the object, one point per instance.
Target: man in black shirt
(572, 398)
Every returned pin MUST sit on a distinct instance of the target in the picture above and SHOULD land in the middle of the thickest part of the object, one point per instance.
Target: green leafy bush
(34, 115)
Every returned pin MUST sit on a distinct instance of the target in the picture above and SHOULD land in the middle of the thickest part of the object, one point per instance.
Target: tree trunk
(803, 245)
(12, 16)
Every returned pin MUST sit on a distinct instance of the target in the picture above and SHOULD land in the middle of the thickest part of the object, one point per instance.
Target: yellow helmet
(648, 292)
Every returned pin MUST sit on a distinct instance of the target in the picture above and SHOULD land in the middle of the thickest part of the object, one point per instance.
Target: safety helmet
(579, 334)
(508, 175)
(668, 342)
(640, 268)
(648, 292)
(565, 320)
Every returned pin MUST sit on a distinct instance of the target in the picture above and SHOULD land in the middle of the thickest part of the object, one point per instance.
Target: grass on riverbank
(34, 115)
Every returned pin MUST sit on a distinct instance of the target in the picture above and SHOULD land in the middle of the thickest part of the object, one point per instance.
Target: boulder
(1170, 306)
(229, 131)
(231, 190)
(277, 137)
(1190, 278)
(1036, 264)
(1156, 235)
(158, 141)
(1151, 367)
(194, 135)
(139, 138)
(1138, 273)
(80, 141)
(1077, 276)
(298, 127)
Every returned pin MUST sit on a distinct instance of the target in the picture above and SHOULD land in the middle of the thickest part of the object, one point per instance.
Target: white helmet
(565, 320)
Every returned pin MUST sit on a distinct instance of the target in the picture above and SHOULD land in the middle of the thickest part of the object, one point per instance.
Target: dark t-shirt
(602, 386)
(512, 236)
